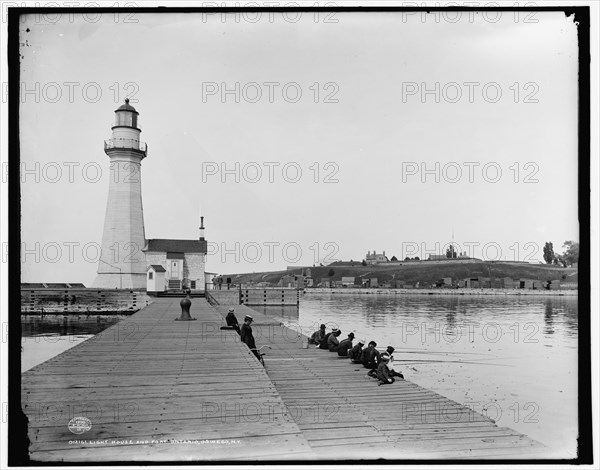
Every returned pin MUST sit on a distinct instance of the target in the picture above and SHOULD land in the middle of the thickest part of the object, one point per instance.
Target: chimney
(202, 228)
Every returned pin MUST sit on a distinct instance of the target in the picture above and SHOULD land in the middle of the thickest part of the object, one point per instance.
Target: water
(513, 359)
(45, 337)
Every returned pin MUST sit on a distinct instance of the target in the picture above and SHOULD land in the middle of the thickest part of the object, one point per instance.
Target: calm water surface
(513, 359)
(45, 337)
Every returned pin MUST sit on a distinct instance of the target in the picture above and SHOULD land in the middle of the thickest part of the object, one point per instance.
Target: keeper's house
(183, 262)
(176, 264)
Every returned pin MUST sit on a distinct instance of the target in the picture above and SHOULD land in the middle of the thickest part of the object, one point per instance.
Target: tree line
(569, 257)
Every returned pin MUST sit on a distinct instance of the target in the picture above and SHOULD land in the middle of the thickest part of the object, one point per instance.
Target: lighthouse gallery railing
(125, 144)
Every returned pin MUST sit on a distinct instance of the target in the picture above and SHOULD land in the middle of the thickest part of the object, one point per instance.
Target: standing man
(247, 337)
(345, 345)
(232, 320)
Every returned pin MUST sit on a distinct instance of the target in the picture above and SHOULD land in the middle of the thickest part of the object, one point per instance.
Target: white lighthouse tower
(122, 262)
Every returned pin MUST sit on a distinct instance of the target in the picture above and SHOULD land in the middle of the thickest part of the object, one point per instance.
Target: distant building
(155, 278)
(292, 280)
(437, 257)
(347, 281)
(372, 282)
(376, 258)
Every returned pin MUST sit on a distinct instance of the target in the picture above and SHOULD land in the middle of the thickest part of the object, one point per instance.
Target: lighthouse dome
(126, 107)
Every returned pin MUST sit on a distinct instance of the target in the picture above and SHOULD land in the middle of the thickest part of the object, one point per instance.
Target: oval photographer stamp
(79, 425)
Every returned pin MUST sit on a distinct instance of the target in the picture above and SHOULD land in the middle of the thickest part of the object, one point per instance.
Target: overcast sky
(503, 97)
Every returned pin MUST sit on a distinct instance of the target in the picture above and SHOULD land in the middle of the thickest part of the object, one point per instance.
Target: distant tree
(394, 258)
(559, 260)
(416, 258)
(549, 257)
(364, 263)
(331, 272)
(571, 254)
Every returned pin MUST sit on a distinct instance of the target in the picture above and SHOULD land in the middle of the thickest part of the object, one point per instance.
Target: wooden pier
(155, 389)
(158, 389)
(344, 414)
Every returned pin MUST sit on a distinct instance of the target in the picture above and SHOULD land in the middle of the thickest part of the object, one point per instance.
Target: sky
(303, 140)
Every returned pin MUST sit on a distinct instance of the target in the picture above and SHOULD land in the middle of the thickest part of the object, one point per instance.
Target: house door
(176, 269)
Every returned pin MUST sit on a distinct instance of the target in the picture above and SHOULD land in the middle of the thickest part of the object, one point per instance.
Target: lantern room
(126, 116)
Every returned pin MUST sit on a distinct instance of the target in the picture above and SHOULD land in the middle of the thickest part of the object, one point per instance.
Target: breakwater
(39, 301)
(447, 292)
(255, 296)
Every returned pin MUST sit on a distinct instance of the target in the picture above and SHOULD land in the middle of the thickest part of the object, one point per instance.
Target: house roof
(157, 267)
(176, 246)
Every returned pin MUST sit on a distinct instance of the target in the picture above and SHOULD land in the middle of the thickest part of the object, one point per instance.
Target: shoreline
(444, 292)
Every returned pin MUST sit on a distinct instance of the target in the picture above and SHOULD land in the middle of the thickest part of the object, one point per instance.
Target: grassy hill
(425, 272)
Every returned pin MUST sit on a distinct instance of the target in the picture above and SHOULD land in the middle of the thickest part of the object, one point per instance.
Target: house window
(150, 274)
(192, 284)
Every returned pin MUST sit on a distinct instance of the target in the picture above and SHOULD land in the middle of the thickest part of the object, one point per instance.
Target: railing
(125, 144)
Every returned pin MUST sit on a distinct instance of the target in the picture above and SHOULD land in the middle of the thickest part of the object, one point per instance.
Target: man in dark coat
(317, 336)
(324, 344)
(247, 337)
(383, 372)
(345, 345)
(232, 320)
(355, 353)
(370, 356)
(332, 341)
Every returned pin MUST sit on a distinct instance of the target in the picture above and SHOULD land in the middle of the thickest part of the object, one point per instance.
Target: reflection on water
(44, 337)
(33, 325)
(512, 357)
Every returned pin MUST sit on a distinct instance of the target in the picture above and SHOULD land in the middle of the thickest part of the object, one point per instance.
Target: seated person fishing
(393, 372)
(355, 353)
(370, 357)
(324, 344)
(232, 321)
(333, 342)
(383, 372)
(317, 336)
(345, 345)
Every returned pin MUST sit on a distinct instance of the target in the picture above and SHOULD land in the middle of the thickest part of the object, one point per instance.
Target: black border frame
(17, 425)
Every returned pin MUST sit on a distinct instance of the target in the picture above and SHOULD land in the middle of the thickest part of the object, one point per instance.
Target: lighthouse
(122, 263)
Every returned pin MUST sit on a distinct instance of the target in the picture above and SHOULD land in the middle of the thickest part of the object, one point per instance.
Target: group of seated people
(380, 365)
